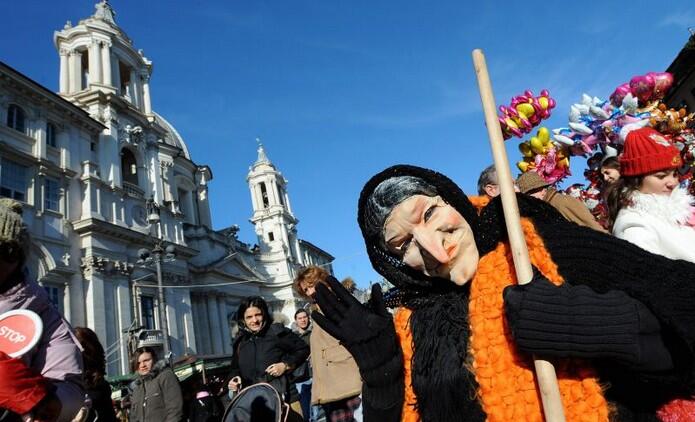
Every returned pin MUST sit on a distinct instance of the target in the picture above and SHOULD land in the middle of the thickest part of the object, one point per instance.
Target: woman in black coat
(265, 352)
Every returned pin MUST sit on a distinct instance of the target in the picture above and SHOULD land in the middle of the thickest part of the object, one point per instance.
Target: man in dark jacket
(302, 374)
(156, 394)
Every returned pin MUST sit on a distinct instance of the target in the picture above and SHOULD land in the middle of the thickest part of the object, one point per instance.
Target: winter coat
(58, 355)
(330, 362)
(304, 334)
(254, 352)
(102, 408)
(156, 396)
(572, 209)
(659, 224)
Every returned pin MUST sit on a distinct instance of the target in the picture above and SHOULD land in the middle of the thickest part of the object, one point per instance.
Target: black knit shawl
(445, 388)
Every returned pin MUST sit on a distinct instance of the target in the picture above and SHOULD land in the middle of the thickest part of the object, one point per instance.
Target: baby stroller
(257, 403)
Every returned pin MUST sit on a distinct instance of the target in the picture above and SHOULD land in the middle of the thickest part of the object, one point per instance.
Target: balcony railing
(133, 190)
(150, 338)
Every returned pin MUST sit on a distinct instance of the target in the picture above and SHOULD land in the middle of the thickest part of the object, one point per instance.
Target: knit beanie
(648, 151)
(531, 181)
(14, 239)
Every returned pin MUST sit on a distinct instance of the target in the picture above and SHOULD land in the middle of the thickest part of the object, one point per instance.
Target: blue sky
(339, 90)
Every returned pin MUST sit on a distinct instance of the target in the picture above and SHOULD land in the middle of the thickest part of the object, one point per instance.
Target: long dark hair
(93, 356)
(256, 302)
(618, 195)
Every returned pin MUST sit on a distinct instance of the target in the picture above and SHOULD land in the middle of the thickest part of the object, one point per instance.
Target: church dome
(172, 137)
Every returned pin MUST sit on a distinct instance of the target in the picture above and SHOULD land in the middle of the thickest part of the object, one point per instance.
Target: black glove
(575, 321)
(368, 333)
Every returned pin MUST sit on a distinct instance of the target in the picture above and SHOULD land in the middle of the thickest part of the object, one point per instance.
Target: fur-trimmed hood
(157, 368)
(676, 208)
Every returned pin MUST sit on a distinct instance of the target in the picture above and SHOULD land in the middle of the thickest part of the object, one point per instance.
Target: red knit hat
(647, 151)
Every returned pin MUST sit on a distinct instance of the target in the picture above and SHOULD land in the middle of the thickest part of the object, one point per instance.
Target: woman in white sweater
(647, 206)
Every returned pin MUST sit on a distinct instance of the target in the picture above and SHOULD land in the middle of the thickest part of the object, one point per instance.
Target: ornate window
(147, 307)
(52, 194)
(124, 73)
(15, 118)
(13, 180)
(129, 167)
(264, 195)
(51, 132)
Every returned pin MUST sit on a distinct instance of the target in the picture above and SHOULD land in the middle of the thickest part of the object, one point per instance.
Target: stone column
(204, 218)
(188, 328)
(214, 319)
(276, 192)
(67, 309)
(259, 196)
(109, 155)
(197, 325)
(91, 202)
(94, 298)
(147, 104)
(64, 72)
(39, 190)
(77, 300)
(106, 63)
(115, 71)
(40, 129)
(254, 200)
(224, 322)
(287, 201)
(72, 84)
(94, 63)
(133, 89)
(206, 341)
(154, 171)
(123, 310)
(172, 319)
(63, 139)
(77, 71)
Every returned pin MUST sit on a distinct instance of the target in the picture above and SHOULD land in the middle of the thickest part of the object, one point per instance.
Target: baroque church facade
(93, 164)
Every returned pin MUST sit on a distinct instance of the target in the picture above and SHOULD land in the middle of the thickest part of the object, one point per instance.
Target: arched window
(129, 167)
(281, 193)
(264, 195)
(15, 117)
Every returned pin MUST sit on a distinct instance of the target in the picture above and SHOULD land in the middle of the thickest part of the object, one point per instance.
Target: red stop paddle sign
(20, 330)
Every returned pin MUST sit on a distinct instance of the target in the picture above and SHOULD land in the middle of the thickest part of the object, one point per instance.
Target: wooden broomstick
(545, 372)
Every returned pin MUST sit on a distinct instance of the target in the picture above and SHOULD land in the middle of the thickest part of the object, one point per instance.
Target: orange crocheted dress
(506, 385)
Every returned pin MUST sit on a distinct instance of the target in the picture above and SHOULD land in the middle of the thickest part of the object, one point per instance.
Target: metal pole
(157, 255)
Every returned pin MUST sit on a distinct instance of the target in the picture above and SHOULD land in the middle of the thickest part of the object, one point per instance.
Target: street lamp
(156, 256)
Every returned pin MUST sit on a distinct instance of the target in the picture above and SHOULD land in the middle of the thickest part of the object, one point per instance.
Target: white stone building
(86, 162)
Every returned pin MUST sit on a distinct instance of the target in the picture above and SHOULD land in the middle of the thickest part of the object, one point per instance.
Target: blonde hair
(309, 276)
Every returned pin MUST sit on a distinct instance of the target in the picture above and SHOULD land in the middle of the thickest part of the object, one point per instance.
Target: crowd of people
(611, 307)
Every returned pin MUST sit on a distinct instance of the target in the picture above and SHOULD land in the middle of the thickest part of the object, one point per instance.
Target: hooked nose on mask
(426, 251)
